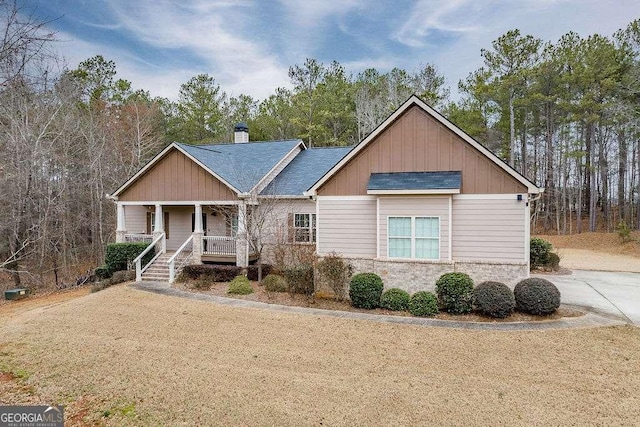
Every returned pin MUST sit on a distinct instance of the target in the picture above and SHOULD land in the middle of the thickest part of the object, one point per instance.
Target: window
(413, 237)
(304, 228)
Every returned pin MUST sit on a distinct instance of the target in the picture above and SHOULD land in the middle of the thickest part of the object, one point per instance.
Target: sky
(249, 45)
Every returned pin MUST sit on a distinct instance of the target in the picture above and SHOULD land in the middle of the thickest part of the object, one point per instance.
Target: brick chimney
(240, 133)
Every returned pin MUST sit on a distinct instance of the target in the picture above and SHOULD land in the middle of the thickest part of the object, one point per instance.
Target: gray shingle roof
(307, 168)
(241, 165)
(415, 181)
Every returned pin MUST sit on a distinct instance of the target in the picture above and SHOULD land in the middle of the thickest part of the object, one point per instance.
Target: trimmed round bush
(494, 299)
(240, 286)
(365, 290)
(455, 292)
(395, 299)
(536, 296)
(539, 250)
(423, 304)
(274, 283)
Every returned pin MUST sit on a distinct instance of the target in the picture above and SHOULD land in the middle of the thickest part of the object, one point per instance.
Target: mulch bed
(283, 298)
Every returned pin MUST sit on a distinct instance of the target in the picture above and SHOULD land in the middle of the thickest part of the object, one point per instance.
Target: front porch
(191, 234)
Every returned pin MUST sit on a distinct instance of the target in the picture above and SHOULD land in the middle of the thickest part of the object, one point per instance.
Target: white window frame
(309, 230)
(413, 236)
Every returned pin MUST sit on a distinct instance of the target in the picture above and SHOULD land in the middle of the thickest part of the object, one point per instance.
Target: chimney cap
(241, 127)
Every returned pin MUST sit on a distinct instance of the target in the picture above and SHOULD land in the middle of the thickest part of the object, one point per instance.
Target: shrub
(494, 299)
(539, 250)
(123, 276)
(554, 261)
(275, 283)
(423, 304)
(624, 232)
(536, 296)
(395, 299)
(119, 255)
(202, 283)
(103, 272)
(334, 271)
(240, 286)
(213, 272)
(252, 271)
(455, 292)
(300, 279)
(365, 290)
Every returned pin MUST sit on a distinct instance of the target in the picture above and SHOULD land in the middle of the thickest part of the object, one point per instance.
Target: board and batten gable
(417, 142)
(415, 206)
(491, 227)
(176, 177)
(347, 225)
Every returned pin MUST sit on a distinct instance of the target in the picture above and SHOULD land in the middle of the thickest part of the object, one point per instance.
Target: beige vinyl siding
(415, 206)
(179, 225)
(347, 226)
(135, 219)
(489, 229)
(277, 216)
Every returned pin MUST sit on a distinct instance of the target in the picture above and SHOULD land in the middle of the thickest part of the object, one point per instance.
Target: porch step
(159, 270)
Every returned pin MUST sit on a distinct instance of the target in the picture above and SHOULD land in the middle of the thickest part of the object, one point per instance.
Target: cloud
(428, 16)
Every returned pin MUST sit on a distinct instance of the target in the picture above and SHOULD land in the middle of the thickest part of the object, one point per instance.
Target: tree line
(564, 114)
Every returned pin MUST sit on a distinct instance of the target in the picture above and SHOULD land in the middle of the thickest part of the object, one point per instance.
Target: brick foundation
(413, 276)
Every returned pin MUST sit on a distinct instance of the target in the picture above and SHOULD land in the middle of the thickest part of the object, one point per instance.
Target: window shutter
(149, 225)
(291, 232)
(166, 225)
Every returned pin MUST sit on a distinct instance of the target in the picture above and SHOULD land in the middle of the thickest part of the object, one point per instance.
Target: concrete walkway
(590, 320)
(611, 293)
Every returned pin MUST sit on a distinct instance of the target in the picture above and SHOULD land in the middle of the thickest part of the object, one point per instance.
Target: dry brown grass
(123, 356)
(597, 251)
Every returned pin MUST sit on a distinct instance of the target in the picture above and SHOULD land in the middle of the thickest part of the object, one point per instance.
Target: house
(415, 199)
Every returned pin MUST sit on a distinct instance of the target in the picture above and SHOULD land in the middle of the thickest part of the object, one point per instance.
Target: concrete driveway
(611, 293)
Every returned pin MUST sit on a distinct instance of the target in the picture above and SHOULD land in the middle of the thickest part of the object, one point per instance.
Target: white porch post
(158, 225)
(198, 233)
(121, 228)
(242, 246)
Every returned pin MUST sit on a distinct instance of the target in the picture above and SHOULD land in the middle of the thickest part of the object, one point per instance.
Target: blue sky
(248, 45)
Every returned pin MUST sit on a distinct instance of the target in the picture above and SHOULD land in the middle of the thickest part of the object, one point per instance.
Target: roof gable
(497, 165)
(240, 167)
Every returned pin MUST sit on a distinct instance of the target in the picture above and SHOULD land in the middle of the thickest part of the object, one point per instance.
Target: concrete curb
(589, 320)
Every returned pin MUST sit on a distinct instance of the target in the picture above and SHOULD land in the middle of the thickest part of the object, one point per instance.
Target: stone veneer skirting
(413, 276)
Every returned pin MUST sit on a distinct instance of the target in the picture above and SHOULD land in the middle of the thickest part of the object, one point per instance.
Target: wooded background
(565, 114)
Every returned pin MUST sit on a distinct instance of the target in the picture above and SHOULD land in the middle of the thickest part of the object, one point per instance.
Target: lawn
(123, 356)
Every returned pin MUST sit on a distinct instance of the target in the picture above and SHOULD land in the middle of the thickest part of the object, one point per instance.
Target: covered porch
(199, 232)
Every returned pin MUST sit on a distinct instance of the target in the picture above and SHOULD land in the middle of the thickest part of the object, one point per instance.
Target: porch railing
(218, 245)
(182, 256)
(138, 238)
(160, 243)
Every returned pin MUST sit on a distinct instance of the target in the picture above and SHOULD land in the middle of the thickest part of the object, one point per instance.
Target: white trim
(268, 174)
(513, 196)
(450, 228)
(311, 227)
(344, 198)
(378, 229)
(400, 192)
(182, 203)
(413, 236)
(527, 232)
(414, 100)
(317, 242)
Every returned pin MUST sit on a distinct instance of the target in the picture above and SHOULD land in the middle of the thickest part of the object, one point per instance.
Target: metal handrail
(138, 260)
(172, 260)
(220, 245)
